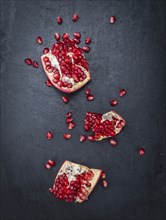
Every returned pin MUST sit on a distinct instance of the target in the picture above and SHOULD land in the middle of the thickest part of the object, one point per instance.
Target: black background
(129, 54)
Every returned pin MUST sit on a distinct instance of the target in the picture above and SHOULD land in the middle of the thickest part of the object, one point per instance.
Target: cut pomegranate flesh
(103, 125)
(65, 64)
(74, 182)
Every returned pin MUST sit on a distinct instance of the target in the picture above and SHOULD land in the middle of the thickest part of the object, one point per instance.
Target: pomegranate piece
(86, 49)
(75, 17)
(57, 36)
(39, 40)
(48, 83)
(90, 97)
(88, 40)
(46, 50)
(59, 20)
(103, 175)
(91, 138)
(35, 64)
(113, 142)
(114, 102)
(103, 125)
(71, 125)
(104, 183)
(51, 163)
(82, 138)
(28, 61)
(69, 114)
(65, 99)
(141, 151)
(122, 92)
(67, 136)
(77, 41)
(49, 135)
(77, 35)
(112, 19)
(70, 183)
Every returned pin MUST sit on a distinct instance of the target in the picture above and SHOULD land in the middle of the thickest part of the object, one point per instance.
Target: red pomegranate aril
(86, 49)
(88, 40)
(86, 128)
(91, 138)
(68, 120)
(77, 41)
(57, 36)
(51, 190)
(77, 35)
(48, 166)
(122, 123)
(113, 142)
(28, 61)
(141, 151)
(46, 50)
(35, 64)
(65, 99)
(48, 83)
(82, 138)
(65, 36)
(104, 183)
(67, 136)
(69, 114)
(113, 102)
(46, 59)
(122, 92)
(49, 135)
(112, 19)
(71, 125)
(90, 97)
(59, 20)
(88, 184)
(39, 40)
(103, 175)
(75, 17)
(87, 91)
(51, 163)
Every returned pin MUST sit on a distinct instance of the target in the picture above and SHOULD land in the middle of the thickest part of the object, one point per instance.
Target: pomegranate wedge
(75, 182)
(104, 125)
(65, 65)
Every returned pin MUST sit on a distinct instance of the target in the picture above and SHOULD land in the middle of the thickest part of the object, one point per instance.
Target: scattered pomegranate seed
(141, 151)
(122, 92)
(65, 99)
(88, 40)
(77, 35)
(68, 120)
(57, 36)
(82, 138)
(91, 138)
(113, 142)
(48, 83)
(77, 41)
(51, 190)
(75, 17)
(104, 183)
(67, 136)
(28, 61)
(59, 20)
(47, 166)
(87, 91)
(114, 102)
(51, 163)
(69, 114)
(112, 19)
(46, 50)
(86, 49)
(90, 97)
(71, 125)
(65, 36)
(39, 40)
(49, 135)
(35, 64)
(103, 175)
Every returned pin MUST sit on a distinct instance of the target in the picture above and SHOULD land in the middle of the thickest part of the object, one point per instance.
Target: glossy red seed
(39, 40)
(71, 125)
(67, 136)
(112, 19)
(90, 97)
(47, 166)
(69, 114)
(113, 142)
(35, 64)
(48, 83)
(91, 138)
(65, 99)
(49, 135)
(46, 50)
(77, 35)
(88, 40)
(86, 49)
(82, 138)
(65, 36)
(28, 61)
(77, 41)
(141, 151)
(122, 92)
(113, 102)
(51, 163)
(104, 183)
(87, 91)
(103, 175)
(75, 17)
(68, 120)
(59, 20)
(57, 36)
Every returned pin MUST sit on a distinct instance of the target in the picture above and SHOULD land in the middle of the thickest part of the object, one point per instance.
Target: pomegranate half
(75, 182)
(103, 125)
(65, 65)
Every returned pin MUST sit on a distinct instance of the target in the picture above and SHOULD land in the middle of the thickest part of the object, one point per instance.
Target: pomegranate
(74, 182)
(103, 125)
(75, 17)
(65, 64)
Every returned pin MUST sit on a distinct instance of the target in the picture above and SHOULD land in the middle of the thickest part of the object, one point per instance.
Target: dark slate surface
(129, 54)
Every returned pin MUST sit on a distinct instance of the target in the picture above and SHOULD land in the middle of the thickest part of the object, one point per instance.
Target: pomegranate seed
(67, 136)
(65, 99)
(68, 120)
(87, 91)
(57, 36)
(141, 151)
(51, 163)
(75, 17)
(71, 125)
(82, 138)
(39, 40)
(123, 123)
(59, 20)
(104, 183)
(88, 40)
(113, 102)
(122, 92)
(77, 41)
(86, 49)
(49, 135)
(91, 138)
(65, 36)
(48, 83)
(69, 114)
(103, 175)
(90, 97)
(113, 142)
(77, 35)
(88, 184)
(35, 64)
(112, 19)
(47, 166)
(46, 50)
(28, 61)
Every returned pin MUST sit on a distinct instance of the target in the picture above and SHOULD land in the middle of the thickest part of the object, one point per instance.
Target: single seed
(104, 183)
(51, 163)
(112, 19)
(59, 20)
(82, 138)
(75, 17)
(47, 166)
(65, 99)
(113, 142)
(28, 61)
(48, 83)
(103, 175)
(67, 136)
(90, 97)
(39, 40)
(46, 50)
(49, 135)
(57, 36)
(113, 102)
(122, 92)
(141, 151)
(35, 64)
(88, 40)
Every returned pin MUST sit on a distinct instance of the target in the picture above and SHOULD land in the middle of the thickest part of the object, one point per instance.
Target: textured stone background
(129, 54)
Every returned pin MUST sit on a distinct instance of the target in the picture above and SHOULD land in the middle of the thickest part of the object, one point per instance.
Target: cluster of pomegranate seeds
(39, 40)
(65, 99)
(82, 138)
(49, 135)
(112, 19)
(48, 83)
(67, 136)
(69, 121)
(88, 40)
(29, 61)
(113, 102)
(50, 164)
(75, 17)
(59, 20)
(46, 50)
(89, 96)
(141, 151)
(113, 142)
(122, 92)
